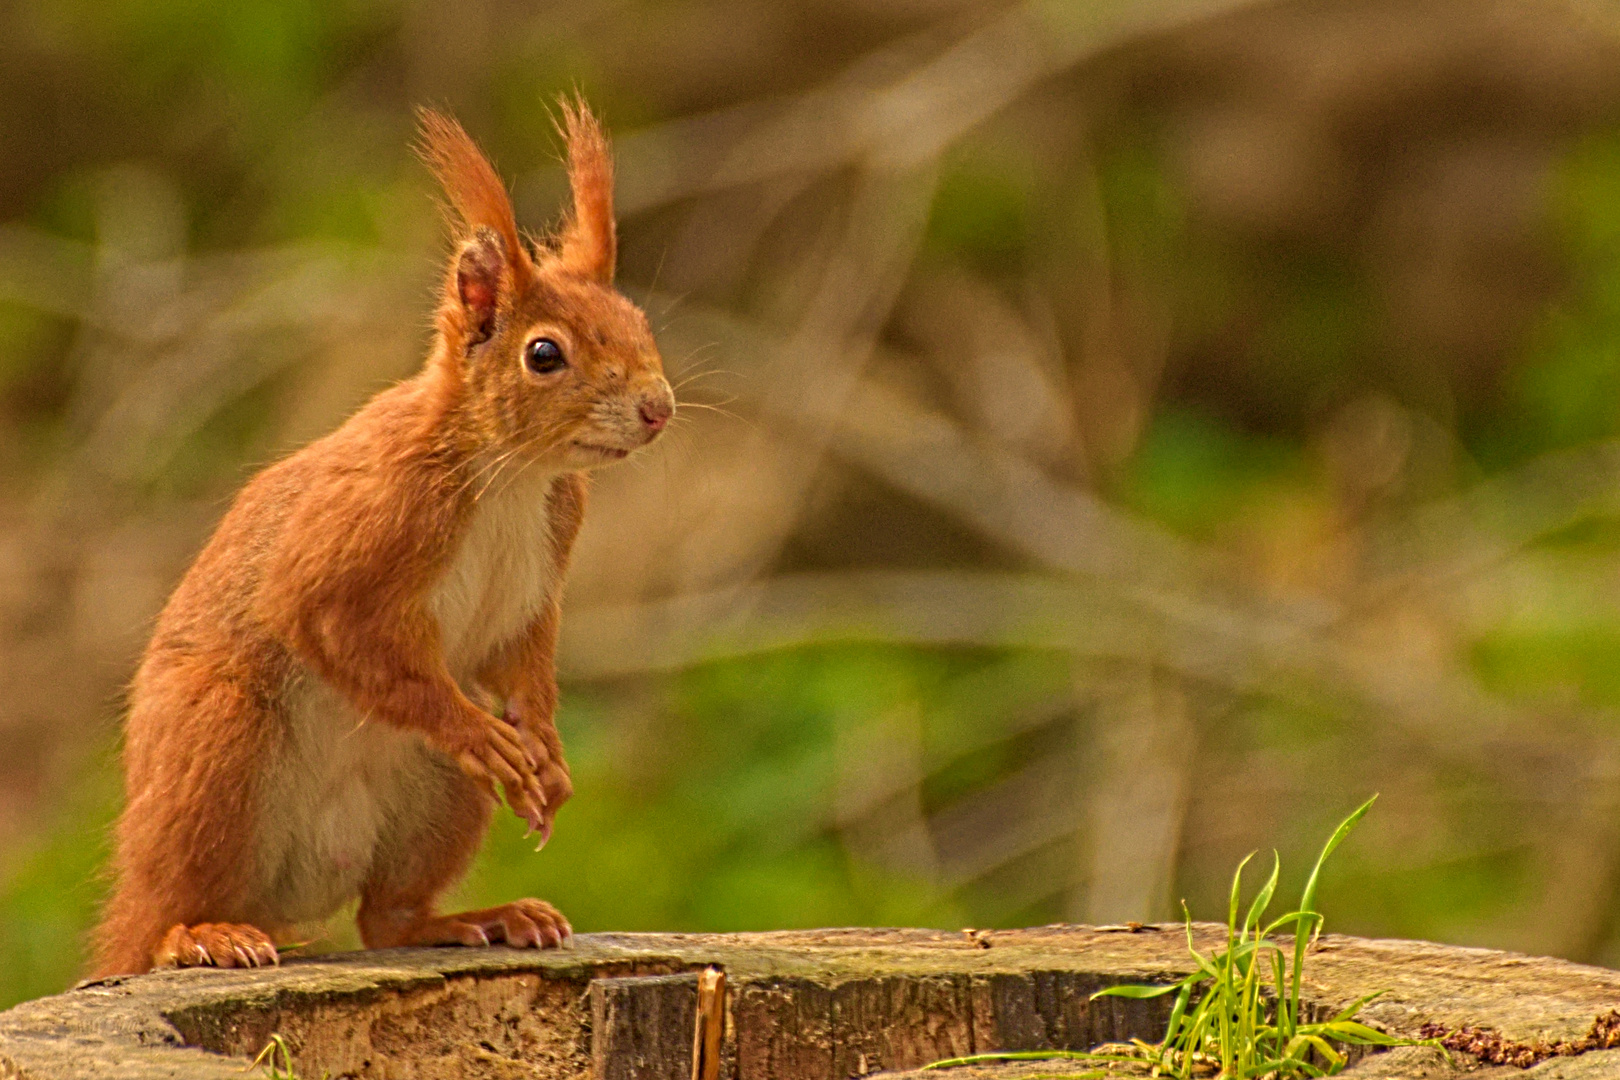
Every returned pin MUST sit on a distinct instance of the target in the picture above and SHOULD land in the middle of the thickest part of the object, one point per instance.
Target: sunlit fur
(311, 721)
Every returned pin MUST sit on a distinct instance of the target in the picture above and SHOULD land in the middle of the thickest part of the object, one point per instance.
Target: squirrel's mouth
(613, 453)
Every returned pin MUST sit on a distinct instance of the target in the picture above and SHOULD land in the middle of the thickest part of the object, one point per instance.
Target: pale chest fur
(501, 576)
(343, 792)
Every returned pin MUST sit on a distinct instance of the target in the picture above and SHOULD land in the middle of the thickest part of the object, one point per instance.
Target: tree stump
(800, 1005)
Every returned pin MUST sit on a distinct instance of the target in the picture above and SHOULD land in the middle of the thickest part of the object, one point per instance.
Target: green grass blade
(1015, 1055)
(1353, 1031)
(1284, 920)
(1310, 922)
(1177, 1011)
(1242, 952)
(1251, 1030)
(1286, 1020)
(1320, 1045)
(1237, 896)
(1202, 1017)
(1277, 1066)
(1262, 899)
(1350, 1010)
(1227, 988)
(1307, 901)
(1204, 966)
(1138, 991)
(1303, 1044)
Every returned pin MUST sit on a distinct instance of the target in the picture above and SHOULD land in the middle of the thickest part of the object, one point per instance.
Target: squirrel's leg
(398, 904)
(524, 676)
(186, 879)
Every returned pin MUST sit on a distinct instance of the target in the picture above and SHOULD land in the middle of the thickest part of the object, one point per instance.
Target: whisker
(500, 462)
(733, 399)
(511, 479)
(496, 463)
(674, 302)
(544, 433)
(720, 408)
(496, 475)
(754, 425)
(696, 375)
(652, 290)
(666, 324)
(697, 351)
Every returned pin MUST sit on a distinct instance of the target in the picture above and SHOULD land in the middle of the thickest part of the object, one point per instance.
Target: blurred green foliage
(51, 889)
(981, 215)
(1194, 472)
(716, 815)
(1568, 389)
(711, 811)
(707, 801)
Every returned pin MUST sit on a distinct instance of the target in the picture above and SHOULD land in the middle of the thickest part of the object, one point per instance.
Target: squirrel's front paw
(494, 752)
(558, 787)
(556, 783)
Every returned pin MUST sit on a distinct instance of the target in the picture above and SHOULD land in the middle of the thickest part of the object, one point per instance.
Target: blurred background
(1120, 435)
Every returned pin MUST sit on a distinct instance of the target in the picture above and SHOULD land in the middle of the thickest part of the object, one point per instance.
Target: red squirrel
(364, 649)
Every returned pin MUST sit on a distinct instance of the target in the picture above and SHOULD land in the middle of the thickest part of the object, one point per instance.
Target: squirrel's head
(550, 360)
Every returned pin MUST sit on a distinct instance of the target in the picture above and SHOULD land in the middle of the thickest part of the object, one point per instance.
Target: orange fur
(588, 241)
(315, 716)
(470, 182)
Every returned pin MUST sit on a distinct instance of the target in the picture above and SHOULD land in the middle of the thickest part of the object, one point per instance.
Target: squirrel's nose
(655, 413)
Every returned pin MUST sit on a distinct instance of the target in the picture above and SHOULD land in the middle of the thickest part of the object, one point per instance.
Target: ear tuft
(589, 248)
(470, 183)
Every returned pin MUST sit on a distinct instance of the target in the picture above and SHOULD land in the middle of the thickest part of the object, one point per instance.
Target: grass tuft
(276, 1060)
(1239, 1014)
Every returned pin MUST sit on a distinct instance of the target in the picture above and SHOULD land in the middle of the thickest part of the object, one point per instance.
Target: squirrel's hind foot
(226, 945)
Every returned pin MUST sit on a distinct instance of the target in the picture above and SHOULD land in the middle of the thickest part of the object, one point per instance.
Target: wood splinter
(710, 1024)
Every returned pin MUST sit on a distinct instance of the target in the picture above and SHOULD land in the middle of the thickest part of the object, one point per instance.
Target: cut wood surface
(798, 1004)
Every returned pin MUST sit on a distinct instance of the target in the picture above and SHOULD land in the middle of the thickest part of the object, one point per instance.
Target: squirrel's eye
(543, 356)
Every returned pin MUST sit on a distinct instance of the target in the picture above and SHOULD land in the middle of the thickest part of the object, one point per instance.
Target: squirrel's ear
(479, 268)
(472, 186)
(588, 245)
